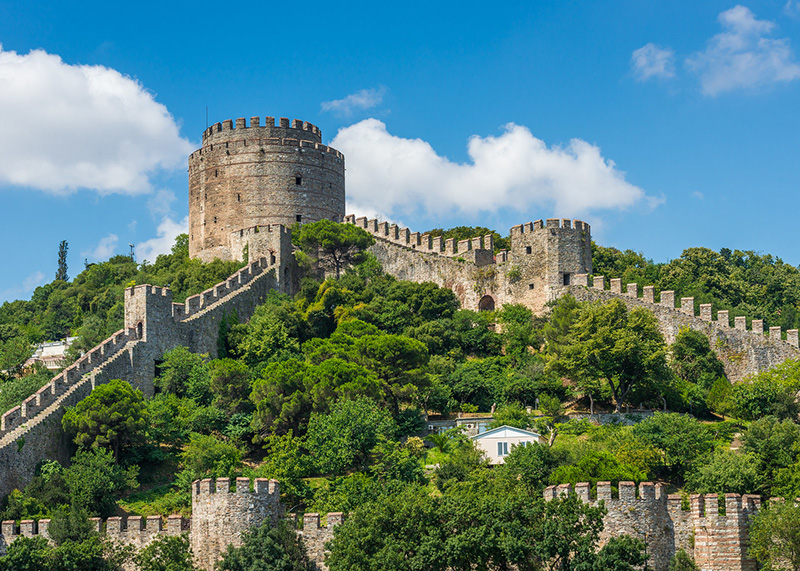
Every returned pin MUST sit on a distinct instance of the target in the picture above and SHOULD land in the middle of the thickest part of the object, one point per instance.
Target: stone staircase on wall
(28, 432)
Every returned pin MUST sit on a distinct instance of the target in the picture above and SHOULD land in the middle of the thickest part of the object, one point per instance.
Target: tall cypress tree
(61, 273)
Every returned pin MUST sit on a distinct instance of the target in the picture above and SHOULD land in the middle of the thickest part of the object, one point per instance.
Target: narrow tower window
(298, 217)
(298, 180)
(566, 279)
(527, 249)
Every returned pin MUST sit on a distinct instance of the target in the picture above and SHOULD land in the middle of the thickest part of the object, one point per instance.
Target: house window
(298, 180)
(502, 448)
(528, 249)
(566, 279)
(298, 217)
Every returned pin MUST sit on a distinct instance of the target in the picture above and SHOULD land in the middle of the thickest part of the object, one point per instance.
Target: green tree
(343, 438)
(335, 246)
(773, 444)
(230, 385)
(682, 562)
(61, 272)
(185, 374)
(758, 397)
(113, 416)
(607, 342)
(680, 439)
(94, 479)
(166, 553)
(266, 548)
(206, 456)
(775, 537)
(530, 466)
(727, 472)
(719, 397)
(27, 554)
(693, 360)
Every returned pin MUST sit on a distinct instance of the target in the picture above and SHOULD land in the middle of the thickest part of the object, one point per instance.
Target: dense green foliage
(330, 390)
(334, 246)
(113, 416)
(775, 537)
(266, 548)
(745, 283)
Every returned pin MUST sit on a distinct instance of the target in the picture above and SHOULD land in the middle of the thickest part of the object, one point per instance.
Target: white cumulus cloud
(104, 249)
(651, 61)
(360, 100)
(167, 231)
(81, 126)
(400, 176)
(743, 56)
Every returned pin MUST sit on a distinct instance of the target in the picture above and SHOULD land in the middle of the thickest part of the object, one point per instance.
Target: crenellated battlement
(64, 381)
(626, 492)
(426, 243)
(269, 125)
(223, 486)
(134, 530)
(196, 303)
(550, 223)
(687, 306)
(715, 532)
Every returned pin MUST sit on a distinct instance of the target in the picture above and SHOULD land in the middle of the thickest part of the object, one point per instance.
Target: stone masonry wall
(315, 536)
(543, 256)
(717, 543)
(154, 324)
(259, 175)
(222, 510)
(221, 514)
(742, 351)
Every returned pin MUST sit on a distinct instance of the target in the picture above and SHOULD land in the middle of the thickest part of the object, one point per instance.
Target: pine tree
(61, 273)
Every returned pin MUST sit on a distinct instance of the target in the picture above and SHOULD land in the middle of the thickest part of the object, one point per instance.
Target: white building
(498, 443)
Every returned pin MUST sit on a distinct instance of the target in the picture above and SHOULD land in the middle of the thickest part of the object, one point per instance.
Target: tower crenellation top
(284, 129)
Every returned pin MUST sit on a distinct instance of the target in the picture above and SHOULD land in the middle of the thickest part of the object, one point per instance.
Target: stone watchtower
(221, 514)
(547, 255)
(246, 177)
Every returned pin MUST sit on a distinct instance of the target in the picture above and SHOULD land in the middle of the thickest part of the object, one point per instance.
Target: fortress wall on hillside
(154, 324)
(717, 542)
(743, 352)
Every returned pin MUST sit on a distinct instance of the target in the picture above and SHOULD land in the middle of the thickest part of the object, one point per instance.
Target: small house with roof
(498, 443)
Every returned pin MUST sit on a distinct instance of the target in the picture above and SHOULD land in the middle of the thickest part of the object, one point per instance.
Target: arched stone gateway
(486, 303)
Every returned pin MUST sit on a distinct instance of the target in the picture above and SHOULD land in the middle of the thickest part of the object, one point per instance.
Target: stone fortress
(247, 185)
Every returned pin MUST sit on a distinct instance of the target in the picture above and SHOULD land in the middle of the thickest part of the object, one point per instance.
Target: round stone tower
(244, 177)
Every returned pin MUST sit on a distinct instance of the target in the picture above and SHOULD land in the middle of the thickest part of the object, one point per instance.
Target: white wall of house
(498, 443)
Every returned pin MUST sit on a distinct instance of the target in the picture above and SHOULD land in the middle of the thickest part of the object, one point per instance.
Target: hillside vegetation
(330, 392)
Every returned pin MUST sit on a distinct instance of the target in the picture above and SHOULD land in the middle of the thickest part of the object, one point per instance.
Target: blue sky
(666, 125)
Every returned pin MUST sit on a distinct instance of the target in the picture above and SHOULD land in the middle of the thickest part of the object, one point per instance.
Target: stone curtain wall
(742, 351)
(717, 542)
(315, 536)
(154, 325)
(531, 273)
(259, 175)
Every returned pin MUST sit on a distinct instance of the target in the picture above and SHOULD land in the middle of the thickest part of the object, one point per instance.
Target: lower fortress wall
(716, 542)
(223, 510)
